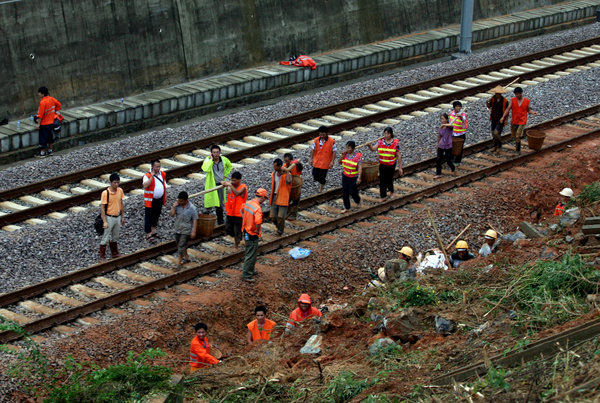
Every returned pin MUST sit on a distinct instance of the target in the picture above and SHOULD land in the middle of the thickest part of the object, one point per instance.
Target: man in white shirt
(155, 196)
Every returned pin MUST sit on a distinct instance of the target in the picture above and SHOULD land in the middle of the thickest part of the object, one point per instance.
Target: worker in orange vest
(281, 185)
(388, 152)
(520, 107)
(322, 156)
(459, 124)
(304, 311)
(155, 197)
(351, 172)
(567, 194)
(200, 349)
(237, 194)
(300, 61)
(260, 328)
(251, 223)
(46, 119)
(294, 167)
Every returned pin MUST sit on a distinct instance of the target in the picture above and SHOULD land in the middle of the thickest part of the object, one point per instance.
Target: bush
(118, 383)
(588, 196)
(344, 387)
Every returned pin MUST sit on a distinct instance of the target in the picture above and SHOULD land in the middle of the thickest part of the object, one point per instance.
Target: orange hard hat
(304, 298)
(260, 192)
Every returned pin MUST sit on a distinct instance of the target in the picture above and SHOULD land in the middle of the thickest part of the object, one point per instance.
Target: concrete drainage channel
(113, 118)
(415, 186)
(45, 197)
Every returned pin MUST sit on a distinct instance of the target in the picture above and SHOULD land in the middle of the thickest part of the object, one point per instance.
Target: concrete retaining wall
(89, 123)
(89, 50)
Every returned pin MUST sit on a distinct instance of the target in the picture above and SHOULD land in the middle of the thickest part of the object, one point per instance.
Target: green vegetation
(76, 382)
(550, 292)
(494, 379)
(588, 196)
(344, 387)
(405, 294)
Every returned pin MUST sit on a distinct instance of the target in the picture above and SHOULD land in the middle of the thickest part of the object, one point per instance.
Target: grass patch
(589, 195)
(550, 292)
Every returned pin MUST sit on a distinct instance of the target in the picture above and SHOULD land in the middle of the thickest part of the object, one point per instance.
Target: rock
(522, 243)
(313, 345)
(530, 230)
(405, 325)
(513, 237)
(569, 239)
(443, 325)
(570, 217)
(512, 315)
(480, 329)
(380, 344)
(554, 227)
(547, 254)
(579, 236)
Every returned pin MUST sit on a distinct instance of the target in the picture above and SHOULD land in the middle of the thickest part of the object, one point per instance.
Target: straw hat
(498, 90)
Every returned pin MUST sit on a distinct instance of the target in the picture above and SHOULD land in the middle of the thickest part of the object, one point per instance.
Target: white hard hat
(568, 192)
(381, 274)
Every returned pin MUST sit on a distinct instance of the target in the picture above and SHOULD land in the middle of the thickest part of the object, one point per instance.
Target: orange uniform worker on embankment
(260, 328)
(46, 115)
(200, 349)
(304, 311)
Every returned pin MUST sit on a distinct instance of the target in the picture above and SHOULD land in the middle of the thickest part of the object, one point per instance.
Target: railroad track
(546, 346)
(49, 199)
(78, 294)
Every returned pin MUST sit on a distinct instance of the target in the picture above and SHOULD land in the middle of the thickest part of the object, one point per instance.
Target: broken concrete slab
(530, 230)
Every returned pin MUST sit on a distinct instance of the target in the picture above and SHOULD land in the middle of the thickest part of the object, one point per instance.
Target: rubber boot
(518, 146)
(102, 253)
(114, 249)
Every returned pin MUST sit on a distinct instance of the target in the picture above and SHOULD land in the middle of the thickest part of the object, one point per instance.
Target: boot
(114, 249)
(518, 147)
(102, 253)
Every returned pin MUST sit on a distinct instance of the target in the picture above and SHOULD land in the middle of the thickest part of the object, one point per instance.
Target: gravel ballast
(36, 253)
(35, 170)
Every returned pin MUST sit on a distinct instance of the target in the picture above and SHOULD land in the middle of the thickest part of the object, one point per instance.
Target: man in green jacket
(217, 168)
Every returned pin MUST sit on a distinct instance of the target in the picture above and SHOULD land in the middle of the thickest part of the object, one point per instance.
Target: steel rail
(167, 247)
(548, 345)
(63, 204)
(333, 224)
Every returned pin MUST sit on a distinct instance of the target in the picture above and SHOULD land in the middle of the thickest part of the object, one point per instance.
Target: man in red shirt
(520, 108)
(47, 113)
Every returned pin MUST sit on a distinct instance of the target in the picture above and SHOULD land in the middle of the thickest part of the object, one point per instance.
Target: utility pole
(466, 27)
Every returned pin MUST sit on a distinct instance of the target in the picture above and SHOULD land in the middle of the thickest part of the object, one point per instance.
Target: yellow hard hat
(491, 234)
(406, 250)
(462, 245)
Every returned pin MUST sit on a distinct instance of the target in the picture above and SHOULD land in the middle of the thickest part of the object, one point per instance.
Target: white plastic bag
(299, 253)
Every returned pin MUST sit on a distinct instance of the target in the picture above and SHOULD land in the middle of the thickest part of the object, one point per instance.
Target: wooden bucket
(206, 225)
(535, 139)
(457, 145)
(370, 171)
(296, 187)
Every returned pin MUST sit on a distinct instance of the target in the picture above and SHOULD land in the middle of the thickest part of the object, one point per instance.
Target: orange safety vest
(283, 191)
(200, 354)
(47, 110)
(233, 205)
(388, 154)
(519, 113)
(263, 333)
(350, 165)
(251, 217)
(458, 128)
(559, 209)
(323, 155)
(296, 170)
(149, 191)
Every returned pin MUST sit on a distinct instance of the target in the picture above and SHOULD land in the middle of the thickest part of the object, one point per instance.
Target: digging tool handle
(497, 232)
(367, 143)
(206, 191)
(437, 235)
(512, 82)
(458, 236)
